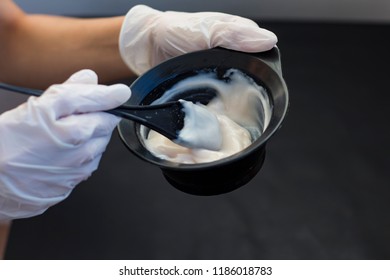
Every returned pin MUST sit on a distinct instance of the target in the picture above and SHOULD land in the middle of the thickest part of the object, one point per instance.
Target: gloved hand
(51, 143)
(149, 37)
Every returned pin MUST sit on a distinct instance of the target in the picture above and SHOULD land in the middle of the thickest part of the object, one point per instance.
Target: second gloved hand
(149, 37)
(50, 144)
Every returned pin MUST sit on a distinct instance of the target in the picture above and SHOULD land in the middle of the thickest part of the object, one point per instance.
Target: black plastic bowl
(231, 172)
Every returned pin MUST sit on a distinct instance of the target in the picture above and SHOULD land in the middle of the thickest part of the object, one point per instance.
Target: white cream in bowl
(242, 108)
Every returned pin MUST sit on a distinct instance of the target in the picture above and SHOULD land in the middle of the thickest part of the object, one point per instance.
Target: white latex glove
(51, 143)
(149, 37)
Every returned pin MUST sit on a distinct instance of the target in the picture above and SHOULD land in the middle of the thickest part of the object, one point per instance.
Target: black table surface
(323, 192)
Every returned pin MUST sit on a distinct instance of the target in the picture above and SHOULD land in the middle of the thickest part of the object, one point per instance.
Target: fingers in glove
(78, 129)
(210, 29)
(85, 76)
(76, 163)
(241, 36)
(68, 99)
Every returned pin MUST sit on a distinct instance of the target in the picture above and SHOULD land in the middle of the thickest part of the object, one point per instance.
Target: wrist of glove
(51, 143)
(149, 37)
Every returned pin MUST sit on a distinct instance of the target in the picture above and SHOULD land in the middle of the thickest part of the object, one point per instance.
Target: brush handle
(166, 118)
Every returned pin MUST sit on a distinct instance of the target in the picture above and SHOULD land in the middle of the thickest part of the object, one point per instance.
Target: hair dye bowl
(247, 94)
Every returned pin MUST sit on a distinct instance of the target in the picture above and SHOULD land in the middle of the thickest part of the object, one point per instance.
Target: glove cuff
(11, 209)
(136, 37)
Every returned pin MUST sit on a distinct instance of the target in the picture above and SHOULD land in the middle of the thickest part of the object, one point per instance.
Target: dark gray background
(323, 192)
